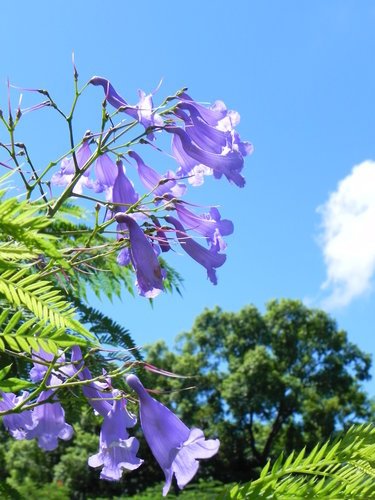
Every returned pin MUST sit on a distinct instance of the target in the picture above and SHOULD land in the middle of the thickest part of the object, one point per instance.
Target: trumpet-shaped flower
(143, 111)
(209, 225)
(117, 451)
(57, 375)
(45, 422)
(208, 140)
(48, 423)
(212, 115)
(123, 192)
(68, 168)
(146, 113)
(175, 447)
(93, 391)
(105, 173)
(15, 423)
(153, 181)
(142, 255)
(210, 259)
(228, 163)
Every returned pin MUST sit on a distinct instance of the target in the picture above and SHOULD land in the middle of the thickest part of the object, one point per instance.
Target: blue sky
(302, 77)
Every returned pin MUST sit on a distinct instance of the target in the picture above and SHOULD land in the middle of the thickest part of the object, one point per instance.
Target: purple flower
(143, 112)
(208, 140)
(105, 173)
(146, 113)
(153, 181)
(189, 167)
(45, 422)
(117, 451)
(123, 258)
(204, 135)
(176, 448)
(217, 116)
(66, 173)
(57, 375)
(123, 190)
(39, 370)
(229, 163)
(15, 423)
(110, 93)
(212, 115)
(143, 258)
(48, 423)
(210, 259)
(94, 391)
(209, 225)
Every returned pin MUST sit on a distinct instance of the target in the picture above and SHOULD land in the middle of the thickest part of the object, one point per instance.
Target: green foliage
(9, 493)
(202, 490)
(22, 231)
(342, 468)
(46, 266)
(263, 383)
(27, 463)
(40, 297)
(72, 470)
(260, 382)
(29, 490)
(173, 279)
(27, 256)
(93, 257)
(106, 329)
(21, 335)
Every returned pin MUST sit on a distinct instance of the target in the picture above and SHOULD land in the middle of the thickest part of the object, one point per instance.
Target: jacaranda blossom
(45, 422)
(175, 447)
(145, 262)
(93, 391)
(228, 163)
(123, 192)
(158, 184)
(210, 259)
(209, 224)
(219, 117)
(66, 173)
(58, 375)
(143, 111)
(105, 173)
(212, 115)
(15, 423)
(208, 143)
(117, 451)
(146, 114)
(48, 423)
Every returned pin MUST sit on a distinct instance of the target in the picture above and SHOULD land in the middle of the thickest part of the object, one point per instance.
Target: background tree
(264, 383)
(261, 382)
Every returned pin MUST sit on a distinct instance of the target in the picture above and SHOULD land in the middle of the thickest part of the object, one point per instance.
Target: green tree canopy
(264, 382)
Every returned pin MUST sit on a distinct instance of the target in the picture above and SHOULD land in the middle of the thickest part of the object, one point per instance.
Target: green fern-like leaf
(20, 335)
(40, 297)
(11, 252)
(339, 469)
(21, 222)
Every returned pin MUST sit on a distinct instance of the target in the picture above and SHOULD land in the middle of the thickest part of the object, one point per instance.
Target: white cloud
(348, 236)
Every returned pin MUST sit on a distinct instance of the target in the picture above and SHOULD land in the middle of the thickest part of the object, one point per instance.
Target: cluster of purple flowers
(204, 142)
(46, 421)
(176, 448)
